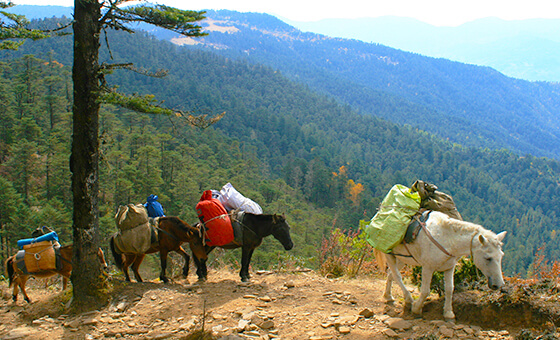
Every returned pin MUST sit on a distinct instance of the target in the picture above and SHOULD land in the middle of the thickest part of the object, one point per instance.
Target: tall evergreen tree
(90, 18)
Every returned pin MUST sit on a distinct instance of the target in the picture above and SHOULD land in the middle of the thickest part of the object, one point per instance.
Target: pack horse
(250, 229)
(438, 247)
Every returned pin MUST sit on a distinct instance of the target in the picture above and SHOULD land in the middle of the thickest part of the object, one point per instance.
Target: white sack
(232, 199)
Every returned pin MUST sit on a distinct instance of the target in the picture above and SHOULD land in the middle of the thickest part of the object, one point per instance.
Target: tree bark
(87, 278)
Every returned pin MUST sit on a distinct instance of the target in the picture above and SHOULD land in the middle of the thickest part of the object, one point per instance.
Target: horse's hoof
(201, 279)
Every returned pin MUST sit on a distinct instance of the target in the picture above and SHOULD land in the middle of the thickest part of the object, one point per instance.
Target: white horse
(438, 246)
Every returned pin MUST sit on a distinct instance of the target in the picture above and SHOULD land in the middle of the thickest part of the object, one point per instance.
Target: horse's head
(487, 256)
(281, 231)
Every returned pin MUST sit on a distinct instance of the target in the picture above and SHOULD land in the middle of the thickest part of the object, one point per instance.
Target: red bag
(215, 220)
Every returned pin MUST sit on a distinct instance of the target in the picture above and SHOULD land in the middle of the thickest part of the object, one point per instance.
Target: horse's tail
(10, 270)
(116, 255)
(380, 259)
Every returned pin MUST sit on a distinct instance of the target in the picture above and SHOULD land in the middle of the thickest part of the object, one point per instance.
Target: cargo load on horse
(38, 254)
(388, 227)
(220, 212)
(135, 234)
(232, 199)
(399, 216)
(216, 224)
(153, 207)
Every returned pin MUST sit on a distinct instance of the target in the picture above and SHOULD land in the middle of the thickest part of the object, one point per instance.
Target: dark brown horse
(253, 229)
(18, 279)
(172, 233)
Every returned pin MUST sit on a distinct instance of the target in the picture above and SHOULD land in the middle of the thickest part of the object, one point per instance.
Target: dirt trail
(300, 305)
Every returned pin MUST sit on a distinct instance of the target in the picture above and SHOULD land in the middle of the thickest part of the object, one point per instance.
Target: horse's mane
(182, 224)
(469, 227)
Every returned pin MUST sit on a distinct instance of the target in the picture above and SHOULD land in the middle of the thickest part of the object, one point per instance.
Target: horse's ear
(482, 239)
(501, 236)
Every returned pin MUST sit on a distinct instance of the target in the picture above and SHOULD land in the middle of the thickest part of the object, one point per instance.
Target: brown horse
(18, 279)
(172, 233)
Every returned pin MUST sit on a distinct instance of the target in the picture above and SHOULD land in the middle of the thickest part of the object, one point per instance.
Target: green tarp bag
(388, 227)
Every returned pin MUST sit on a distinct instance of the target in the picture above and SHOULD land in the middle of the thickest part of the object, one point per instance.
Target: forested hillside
(470, 105)
(288, 148)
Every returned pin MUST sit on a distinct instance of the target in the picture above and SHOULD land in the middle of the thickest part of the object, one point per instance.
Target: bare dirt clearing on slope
(299, 305)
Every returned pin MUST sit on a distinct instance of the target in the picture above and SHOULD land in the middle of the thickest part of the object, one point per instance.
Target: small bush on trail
(346, 252)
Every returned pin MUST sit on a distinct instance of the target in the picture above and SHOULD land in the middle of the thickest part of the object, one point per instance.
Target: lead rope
(423, 226)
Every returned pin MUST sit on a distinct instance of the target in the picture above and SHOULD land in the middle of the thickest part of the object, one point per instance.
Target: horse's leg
(126, 262)
(187, 258)
(15, 282)
(394, 266)
(424, 290)
(22, 281)
(163, 260)
(449, 286)
(201, 270)
(246, 254)
(388, 296)
(136, 265)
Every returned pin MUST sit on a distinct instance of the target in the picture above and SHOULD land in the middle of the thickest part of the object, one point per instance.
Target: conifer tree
(91, 17)
(14, 31)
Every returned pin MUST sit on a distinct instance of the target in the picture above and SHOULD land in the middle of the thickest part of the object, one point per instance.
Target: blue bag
(153, 207)
(52, 236)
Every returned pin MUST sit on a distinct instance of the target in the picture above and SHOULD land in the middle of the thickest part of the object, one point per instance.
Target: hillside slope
(470, 105)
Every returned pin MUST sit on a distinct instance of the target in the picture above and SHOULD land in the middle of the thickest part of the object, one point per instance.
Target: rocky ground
(293, 305)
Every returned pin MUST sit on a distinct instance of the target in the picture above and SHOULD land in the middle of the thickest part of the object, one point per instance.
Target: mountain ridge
(493, 110)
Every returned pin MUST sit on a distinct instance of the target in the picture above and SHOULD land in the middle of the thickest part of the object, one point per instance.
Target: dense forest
(290, 149)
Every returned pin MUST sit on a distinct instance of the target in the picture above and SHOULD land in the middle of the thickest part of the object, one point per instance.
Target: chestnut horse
(172, 233)
(18, 279)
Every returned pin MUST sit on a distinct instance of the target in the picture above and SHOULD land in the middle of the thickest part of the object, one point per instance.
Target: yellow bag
(40, 256)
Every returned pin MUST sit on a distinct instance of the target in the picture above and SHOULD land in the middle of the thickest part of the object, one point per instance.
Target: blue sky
(435, 12)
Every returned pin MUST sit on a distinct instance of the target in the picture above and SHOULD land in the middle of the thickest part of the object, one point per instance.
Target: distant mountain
(467, 104)
(521, 49)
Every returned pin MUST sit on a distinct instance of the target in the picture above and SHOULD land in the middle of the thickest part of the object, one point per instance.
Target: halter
(472, 240)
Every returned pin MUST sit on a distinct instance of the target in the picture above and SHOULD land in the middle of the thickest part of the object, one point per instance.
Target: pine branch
(176, 20)
(14, 27)
(148, 104)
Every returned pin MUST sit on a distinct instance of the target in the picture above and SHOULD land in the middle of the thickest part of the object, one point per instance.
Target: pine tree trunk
(87, 278)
